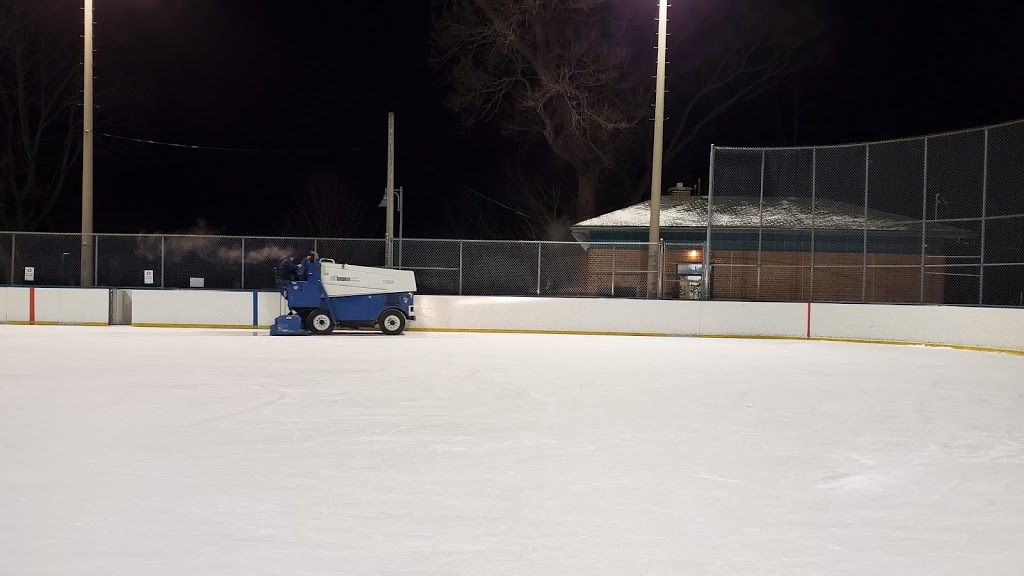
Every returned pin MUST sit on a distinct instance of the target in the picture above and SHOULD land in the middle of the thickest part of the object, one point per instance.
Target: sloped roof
(744, 212)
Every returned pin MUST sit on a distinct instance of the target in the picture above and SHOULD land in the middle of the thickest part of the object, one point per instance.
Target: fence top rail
(869, 143)
(311, 239)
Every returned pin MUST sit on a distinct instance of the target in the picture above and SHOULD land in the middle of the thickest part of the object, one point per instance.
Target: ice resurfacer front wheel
(320, 323)
(392, 322)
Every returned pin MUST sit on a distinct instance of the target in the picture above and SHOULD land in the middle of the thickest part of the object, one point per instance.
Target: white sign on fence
(30, 274)
(197, 282)
(147, 277)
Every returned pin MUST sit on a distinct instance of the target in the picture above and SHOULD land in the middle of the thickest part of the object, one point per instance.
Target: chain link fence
(937, 219)
(443, 267)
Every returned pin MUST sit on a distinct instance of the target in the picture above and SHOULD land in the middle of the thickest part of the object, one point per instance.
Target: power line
(225, 149)
(480, 194)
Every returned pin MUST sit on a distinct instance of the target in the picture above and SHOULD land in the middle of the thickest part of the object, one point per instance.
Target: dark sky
(313, 81)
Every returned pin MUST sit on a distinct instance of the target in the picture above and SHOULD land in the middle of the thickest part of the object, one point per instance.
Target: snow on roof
(744, 212)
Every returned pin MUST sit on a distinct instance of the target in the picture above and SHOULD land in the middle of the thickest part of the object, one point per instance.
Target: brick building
(778, 249)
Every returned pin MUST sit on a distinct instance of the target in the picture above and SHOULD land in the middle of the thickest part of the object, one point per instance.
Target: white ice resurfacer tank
(348, 280)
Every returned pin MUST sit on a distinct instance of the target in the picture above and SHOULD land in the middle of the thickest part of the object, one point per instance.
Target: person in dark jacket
(286, 271)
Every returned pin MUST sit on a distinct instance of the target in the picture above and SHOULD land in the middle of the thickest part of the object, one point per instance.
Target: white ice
(160, 452)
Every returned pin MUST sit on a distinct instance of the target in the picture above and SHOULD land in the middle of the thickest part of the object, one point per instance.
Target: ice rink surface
(162, 452)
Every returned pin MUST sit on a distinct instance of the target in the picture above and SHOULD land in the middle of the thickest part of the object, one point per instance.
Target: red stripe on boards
(31, 305)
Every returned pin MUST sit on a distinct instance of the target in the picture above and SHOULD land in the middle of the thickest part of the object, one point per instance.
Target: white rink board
(18, 304)
(169, 452)
(192, 308)
(557, 315)
(957, 326)
(90, 306)
(47, 304)
(766, 319)
(72, 306)
(79, 306)
(982, 327)
(271, 305)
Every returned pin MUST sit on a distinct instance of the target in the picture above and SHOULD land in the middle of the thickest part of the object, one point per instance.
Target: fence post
(14, 236)
(161, 261)
(984, 216)
(539, 245)
(243, 261)
(460, 267)
(707, 251)
(924, 216)
(95, 260)
(661, 269)
(613, 270)
(760, 228)
(864, 270)
(814, 207)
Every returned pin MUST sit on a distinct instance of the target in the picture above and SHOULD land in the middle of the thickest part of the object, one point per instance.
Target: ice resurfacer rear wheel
(392, 322)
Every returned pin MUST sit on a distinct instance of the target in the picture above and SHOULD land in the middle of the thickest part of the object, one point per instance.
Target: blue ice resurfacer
(335, 295)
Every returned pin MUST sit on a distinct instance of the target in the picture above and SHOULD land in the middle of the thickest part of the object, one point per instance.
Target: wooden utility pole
(87, 151)
(390, 233)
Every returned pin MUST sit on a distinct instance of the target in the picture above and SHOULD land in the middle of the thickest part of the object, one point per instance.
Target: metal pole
(814, 199)
(659, 143)
(14, 237)
(243, 260)
(867, 174)
(401, 223)
(661, 269)
(460, 267)
(162, 261)
(924, 216)
(613, 270)
(87, 254)
(539, 245)
(390, 222)
(760, 228)
(984, 215)
(707, 243)
(96, 261)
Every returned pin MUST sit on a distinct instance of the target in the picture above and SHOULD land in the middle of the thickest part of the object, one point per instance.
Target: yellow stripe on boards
(203, 326)
(40, 323)
(538, 332)
(877, 342)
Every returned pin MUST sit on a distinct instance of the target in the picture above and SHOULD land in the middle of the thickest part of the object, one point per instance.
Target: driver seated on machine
(286, 270)
(302, 272)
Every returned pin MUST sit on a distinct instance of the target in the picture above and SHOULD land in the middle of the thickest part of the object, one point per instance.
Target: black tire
(392, 322)
(319, 322)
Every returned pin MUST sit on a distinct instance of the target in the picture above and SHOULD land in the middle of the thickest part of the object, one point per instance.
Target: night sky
(310, 84)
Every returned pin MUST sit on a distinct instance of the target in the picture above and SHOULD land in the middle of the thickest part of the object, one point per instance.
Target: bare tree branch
(556, 71)
(562, 73)
(326, 210)
(38, 118)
